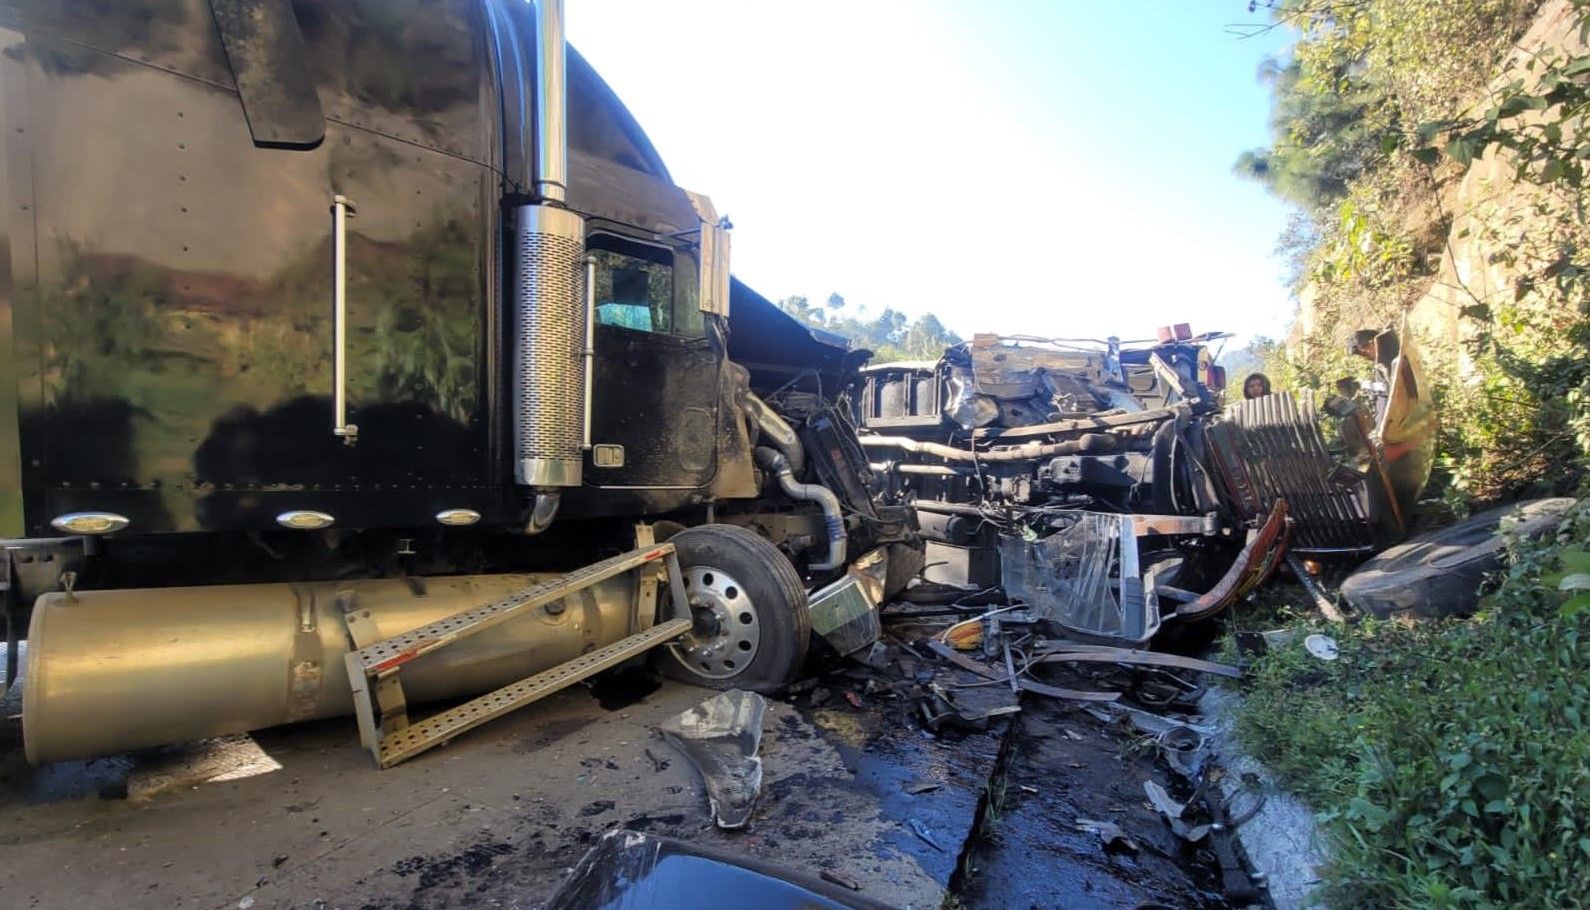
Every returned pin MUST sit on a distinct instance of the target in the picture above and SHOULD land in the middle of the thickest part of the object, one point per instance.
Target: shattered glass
(1084, 577)
(721, 737)
(965, 406)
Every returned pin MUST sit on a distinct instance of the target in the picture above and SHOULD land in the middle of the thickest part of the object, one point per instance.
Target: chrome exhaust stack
(549, 293)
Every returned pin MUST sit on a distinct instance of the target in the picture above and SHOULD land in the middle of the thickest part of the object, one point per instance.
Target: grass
(1449, 761)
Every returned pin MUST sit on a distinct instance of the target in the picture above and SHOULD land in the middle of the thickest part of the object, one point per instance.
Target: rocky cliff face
(1504, 230)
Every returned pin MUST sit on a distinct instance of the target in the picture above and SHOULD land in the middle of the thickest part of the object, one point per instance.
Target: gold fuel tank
(110, 671)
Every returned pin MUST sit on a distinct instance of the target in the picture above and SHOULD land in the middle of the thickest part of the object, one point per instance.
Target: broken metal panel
(845, 616)
(1202, 525)
(1259, 559)
(1026, 685)
(721, 737)
(871, 571)
(1085, 577)
(1006, 370)
(1408, 429)
(973, 566)
(845, 613)
(963, 404)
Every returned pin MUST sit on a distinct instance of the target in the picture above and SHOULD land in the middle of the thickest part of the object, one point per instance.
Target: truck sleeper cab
(385, 294)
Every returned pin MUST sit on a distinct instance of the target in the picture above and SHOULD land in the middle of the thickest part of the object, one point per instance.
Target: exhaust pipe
(1086, 444)
(542, 511)
(550, 389)
(774, 462)
(552, 122)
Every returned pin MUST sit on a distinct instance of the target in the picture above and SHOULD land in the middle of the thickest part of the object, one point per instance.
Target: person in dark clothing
(1257, 385)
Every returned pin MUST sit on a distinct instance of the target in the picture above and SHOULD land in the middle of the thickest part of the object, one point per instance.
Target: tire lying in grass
(751, 626)
(1440, 573)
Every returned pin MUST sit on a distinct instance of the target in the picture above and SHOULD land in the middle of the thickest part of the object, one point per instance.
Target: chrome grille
(549, 372)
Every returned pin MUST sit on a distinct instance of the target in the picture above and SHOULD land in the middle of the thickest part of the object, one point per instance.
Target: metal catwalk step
(439, 728)
(374, 668)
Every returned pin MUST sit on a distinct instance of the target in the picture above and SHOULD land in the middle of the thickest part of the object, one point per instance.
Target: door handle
(341, 210)
(589, 354)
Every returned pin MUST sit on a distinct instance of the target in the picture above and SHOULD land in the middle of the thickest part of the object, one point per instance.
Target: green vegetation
(1450, 761)
(1438, 168)
(1379, 115)
(890, 336)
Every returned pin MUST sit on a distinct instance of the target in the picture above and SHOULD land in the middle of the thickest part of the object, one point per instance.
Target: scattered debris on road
(1321, 646)
(921, 831)
(721, 737)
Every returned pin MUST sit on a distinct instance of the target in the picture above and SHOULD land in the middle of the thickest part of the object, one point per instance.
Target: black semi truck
(359, 352)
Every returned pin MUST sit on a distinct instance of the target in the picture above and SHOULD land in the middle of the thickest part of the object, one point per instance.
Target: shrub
(1451, 760)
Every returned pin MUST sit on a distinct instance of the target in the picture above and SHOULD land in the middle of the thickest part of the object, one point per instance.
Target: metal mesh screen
(549, 371)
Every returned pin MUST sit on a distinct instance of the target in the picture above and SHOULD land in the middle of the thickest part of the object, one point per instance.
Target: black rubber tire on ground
(1440, 573)
(771, 584)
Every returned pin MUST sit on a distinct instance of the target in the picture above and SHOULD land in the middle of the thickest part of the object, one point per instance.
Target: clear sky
(1059, 168)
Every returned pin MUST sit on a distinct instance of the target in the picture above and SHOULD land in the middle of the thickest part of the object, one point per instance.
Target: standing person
(1257, 385)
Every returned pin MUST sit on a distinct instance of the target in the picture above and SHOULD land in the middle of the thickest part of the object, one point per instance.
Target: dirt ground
(299, 816)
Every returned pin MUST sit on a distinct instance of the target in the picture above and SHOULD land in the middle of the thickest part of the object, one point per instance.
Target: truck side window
(638, 288)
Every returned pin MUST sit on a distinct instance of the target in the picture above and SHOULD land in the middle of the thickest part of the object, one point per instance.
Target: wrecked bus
(1109, 486)
(355, 354)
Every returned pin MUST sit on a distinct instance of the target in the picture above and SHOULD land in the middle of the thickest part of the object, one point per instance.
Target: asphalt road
(300, 817)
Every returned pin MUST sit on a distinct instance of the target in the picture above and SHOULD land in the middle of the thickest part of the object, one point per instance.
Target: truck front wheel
(748, 608)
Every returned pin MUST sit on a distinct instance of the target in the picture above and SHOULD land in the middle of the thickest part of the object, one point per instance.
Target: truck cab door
(655, 378)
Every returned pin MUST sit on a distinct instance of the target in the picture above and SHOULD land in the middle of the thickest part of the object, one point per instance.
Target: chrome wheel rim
(726, 630)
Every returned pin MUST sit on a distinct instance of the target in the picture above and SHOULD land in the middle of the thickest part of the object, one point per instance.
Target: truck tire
(1440, 573)
(751, 625)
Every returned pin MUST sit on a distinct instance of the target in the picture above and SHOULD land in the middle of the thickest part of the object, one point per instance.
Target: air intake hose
(778, 431)
(773, 462)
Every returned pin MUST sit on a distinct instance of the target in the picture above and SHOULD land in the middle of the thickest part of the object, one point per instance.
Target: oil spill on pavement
(597, 808)
(1029, 852)
(646, 822)
(22, 782)
(491, 872)
(452, 870)
(621, 688)
(889, 755)
(549, 733)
